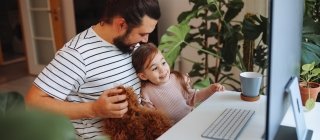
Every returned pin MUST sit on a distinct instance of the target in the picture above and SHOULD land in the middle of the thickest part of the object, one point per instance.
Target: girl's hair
(131, 10)
(142, 57)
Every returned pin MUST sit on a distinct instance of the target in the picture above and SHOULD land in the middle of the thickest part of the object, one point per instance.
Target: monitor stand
(289, 133)
(300, 132)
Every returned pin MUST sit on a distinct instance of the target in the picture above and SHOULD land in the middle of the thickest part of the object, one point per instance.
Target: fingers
(117, 98)
(112, 92)
(116, 109)
(218, 87)
(118, 105)
(111, 104)
(119, 113)
(221, 88)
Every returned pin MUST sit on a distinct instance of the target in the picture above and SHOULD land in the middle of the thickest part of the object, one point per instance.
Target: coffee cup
(250, 85)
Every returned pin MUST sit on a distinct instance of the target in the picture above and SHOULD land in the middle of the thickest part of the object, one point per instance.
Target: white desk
(311, 119)
(194, 124)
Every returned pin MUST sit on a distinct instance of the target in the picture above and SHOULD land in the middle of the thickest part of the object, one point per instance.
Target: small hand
(187, 80)
(108, 106)
(217, 87)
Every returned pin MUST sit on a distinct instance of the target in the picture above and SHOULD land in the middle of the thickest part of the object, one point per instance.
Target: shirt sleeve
(190, 96)
(64, 74)
(145, 100)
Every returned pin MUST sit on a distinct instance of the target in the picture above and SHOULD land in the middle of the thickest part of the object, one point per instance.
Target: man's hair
(131, 10)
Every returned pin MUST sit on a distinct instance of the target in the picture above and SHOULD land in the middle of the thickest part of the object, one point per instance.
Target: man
(79, 80)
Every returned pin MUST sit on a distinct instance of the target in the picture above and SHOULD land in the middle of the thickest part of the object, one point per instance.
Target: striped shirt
(80, 71)
(169, 98)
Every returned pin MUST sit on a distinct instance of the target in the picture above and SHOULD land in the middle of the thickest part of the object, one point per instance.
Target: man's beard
(119, 42)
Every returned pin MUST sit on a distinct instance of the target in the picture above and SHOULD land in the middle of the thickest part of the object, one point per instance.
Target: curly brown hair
(139, 123)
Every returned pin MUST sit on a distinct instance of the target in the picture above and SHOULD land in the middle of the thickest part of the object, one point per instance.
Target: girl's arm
(205, 93)
(145, 101)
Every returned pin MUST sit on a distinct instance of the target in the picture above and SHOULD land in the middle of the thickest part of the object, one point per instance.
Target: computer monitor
(285, 30)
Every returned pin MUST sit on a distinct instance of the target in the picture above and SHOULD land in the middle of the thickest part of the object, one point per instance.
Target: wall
(68, 19)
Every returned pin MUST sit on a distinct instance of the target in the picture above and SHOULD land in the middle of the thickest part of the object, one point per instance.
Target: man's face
(135, 35)
(120, 43)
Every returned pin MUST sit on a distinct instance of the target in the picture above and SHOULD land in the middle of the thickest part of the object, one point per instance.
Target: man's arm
(105, 106)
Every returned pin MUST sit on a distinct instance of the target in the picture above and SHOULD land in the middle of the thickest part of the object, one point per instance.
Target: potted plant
(311, 32)
(308, 88)
(218, 40)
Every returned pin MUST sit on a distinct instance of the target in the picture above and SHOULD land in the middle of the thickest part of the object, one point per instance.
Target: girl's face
(157, 72)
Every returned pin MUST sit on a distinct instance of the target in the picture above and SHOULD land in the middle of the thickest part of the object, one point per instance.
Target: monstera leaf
(170, 43)
(310, 52)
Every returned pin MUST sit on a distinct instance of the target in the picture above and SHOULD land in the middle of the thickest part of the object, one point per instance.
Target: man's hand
(108, 106)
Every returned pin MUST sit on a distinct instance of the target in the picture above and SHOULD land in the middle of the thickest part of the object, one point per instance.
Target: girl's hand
(187, 80)
(217, 87)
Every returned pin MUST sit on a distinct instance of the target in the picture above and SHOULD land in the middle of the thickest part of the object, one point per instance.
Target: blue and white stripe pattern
(85, 67)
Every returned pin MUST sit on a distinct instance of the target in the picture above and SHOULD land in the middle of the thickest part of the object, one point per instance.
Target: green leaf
(312, 38)
(202, 84)
(310, 52)
(234, 8)
(310, 26)
(186, 16)
(230, 48)
(36, 125)
(310, 104)
(251, 30)
(316, 71)
(308, 67)
(170, 43)
(211, 1)
(17, 123)
(11, 101)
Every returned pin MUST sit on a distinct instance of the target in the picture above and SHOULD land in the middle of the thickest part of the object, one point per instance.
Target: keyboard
(229, 124)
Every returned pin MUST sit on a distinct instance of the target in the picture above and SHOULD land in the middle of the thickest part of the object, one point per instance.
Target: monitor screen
(285, 30)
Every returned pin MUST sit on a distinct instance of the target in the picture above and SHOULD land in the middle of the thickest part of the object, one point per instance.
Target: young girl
(166, 91)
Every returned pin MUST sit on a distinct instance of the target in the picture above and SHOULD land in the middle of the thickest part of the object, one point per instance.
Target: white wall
(170, 10)
(68, 19)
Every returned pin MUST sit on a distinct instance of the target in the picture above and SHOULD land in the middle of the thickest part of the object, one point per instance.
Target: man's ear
(120, 24)
(142, 76)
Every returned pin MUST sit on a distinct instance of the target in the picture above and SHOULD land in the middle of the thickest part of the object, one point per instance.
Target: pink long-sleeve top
(170, 98)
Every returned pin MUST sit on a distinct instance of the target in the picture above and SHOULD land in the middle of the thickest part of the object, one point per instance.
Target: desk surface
(194, 124)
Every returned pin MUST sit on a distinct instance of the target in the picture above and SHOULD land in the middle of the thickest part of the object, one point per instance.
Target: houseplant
(308, 88)
(311, 33)
(21, 123)
(310, 51)
(217, 36)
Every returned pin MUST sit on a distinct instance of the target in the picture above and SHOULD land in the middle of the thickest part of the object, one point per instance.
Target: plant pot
(304, 91)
